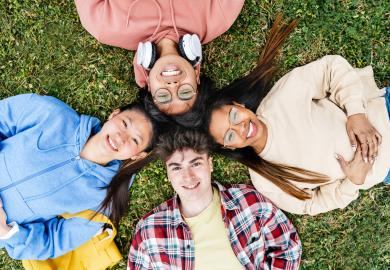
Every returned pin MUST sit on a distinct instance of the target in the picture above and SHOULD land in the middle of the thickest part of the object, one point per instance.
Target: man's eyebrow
(195, 159)
(173, 164)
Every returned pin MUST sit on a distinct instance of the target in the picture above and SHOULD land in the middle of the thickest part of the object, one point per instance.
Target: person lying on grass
(167, 37)
(208, 225)
(314, 139)
(54, 161)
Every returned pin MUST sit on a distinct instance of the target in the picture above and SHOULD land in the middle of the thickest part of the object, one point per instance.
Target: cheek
(130, 151)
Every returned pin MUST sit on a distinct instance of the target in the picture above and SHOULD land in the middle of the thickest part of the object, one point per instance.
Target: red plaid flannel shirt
(260, 234)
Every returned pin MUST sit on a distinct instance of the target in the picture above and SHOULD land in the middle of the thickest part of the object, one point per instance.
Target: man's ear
(114, 113)
(211, 164)
(239, 104)
(197, 72)
(139, 155)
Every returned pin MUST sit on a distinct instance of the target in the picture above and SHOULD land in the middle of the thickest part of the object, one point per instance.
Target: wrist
(4, 229)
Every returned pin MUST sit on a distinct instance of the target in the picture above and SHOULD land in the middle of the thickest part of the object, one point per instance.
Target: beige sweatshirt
(306, 113)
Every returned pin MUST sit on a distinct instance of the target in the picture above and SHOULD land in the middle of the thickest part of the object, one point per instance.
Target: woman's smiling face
(234, 126)
(173, 83)
(125, 135)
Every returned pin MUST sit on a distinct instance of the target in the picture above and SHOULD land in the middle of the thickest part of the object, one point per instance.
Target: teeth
(192, 186)
(171, 72)
(250, 130)
(112, 144)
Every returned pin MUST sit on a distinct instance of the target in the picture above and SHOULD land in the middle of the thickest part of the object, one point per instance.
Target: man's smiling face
(190, 174)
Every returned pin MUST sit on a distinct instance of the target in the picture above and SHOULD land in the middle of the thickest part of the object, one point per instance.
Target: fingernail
(354, 147)
(371, 161)
(336, 156)
(365, 160)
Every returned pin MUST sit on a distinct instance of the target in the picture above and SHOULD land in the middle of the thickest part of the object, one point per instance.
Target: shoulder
(162, 214)
(247, 197)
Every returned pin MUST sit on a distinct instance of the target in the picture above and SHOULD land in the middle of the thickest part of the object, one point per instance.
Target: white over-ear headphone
(189, 45)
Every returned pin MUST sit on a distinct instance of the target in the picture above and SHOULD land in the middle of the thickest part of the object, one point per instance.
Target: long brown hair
(250, 91)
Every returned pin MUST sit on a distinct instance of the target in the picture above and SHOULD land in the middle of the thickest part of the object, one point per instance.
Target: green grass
(44, 49)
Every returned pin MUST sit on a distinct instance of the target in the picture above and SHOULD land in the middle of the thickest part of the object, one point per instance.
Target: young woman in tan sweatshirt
(314, 139)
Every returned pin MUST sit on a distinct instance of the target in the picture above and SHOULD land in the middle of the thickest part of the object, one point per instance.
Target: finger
(371, 149)
(358, 155)
(375, 148)
(364, 146)
(352, 140)
(378, 137)
(342, 162)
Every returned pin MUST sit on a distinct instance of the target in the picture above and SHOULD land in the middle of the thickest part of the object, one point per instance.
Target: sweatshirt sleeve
(11, 110)
(337, 194)
(334, 78)
(50, 239)
(106, 21)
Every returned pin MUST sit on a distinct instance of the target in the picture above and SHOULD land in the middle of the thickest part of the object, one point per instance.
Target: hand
(355, 170)
(4, 228)
(360, 130)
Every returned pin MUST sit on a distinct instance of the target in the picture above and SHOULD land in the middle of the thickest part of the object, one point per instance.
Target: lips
(252, 130)
(191, 187)
(171, 70)
(112, 144)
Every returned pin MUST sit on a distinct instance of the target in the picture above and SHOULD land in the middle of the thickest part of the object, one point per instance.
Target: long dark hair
(189, 119)
(117, 197)
(250, 91)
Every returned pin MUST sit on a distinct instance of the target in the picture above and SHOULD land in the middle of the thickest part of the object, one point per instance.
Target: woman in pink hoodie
(167, 35)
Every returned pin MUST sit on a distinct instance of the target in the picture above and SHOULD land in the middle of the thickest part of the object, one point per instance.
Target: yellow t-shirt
(212, 245)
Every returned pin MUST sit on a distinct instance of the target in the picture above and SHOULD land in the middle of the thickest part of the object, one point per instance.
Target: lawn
(44, 49)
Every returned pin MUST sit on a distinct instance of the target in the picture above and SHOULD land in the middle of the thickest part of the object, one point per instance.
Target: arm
(107, 21)
(337, 194)
(283, 248)
(49, 239)
(334, 78)
(11, 110)
(138, 255)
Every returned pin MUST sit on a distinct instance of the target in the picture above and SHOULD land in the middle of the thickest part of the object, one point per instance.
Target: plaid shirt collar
(227, 202)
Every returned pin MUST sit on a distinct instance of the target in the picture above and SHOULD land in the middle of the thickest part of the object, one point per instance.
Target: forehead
(220, 122)
(185, 155)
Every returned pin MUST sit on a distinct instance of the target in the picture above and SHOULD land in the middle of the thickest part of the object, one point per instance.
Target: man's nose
(188, 175)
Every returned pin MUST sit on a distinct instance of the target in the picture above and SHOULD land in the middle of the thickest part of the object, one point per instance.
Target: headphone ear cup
(146, 54)
(190, 48)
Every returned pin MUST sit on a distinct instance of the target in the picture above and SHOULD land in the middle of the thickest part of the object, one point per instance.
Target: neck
(91, 152)
(191, 209)
(166, 46)
(259, 145)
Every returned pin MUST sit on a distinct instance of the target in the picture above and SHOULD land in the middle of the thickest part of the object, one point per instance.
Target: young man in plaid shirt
(208, 225)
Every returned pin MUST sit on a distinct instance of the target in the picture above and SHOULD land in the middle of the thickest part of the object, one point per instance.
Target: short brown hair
(178, 138)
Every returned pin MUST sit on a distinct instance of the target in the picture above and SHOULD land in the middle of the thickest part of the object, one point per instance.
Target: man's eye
(135, 141)
(124, 123)
(176, 168)
(196, 164)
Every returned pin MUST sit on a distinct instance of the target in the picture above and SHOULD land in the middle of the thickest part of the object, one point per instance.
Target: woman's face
(173, 84)
(234, 126)
(125, 135)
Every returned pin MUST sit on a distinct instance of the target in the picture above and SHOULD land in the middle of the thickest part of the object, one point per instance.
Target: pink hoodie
(124, 23)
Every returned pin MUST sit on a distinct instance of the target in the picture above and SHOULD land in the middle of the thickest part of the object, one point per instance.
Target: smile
(192, 186)
(252, 130)
(171, 70)
(112, 145)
